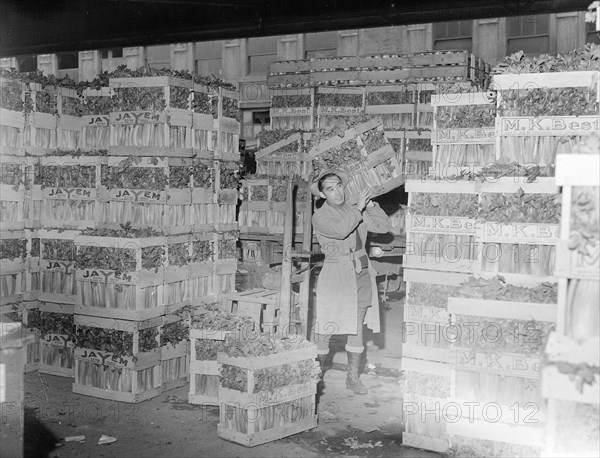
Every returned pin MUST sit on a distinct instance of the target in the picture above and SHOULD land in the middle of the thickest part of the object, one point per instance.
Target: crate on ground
(524, 131)
(253, 410)
(65, 192)
(368, 158)
(293, 109)
(121, 276)
(117, 359)
(174, 351)
(395, 104)
(463, 128)
(159, 125)
(57, 266)
(56, 329)
(13, 266)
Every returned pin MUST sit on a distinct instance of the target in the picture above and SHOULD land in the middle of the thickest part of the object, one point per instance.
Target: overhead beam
(37, 27)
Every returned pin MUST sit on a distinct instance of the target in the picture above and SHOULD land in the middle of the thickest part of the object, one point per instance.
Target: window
(159, 56)
(528, 34)
(209, 58)
(27, 63)
(261, 52)
(322, 44)
(456, 35)
(111, 53)
(67, 60)
(591, 35)
(261, 117)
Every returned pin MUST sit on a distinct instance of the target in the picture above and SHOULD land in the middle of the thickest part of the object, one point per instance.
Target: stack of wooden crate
(570, 377)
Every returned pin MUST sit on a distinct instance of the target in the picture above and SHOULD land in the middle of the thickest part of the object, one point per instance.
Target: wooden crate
(293, 117)
(58, 276)
(174, 356)
(284, 158)
(426, 392)
(134, 295)
(379, 170)
(252, 419)
(66, 207)
(394, 116)
(57, 355)
(95, 131)
(330, 115)
(12, 387)
(204, 374)
(105, 375)
(12, 132)
(474, 146)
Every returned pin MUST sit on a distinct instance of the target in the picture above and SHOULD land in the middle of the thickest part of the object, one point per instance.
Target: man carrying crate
(346, 290)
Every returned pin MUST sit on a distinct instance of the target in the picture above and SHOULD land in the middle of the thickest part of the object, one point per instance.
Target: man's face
(333, 191)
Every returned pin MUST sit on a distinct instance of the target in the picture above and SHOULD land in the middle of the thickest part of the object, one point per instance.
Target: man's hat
(314, 186)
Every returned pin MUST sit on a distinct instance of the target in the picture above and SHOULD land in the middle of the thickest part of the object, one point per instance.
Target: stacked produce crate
(267, 388)
(570, 378)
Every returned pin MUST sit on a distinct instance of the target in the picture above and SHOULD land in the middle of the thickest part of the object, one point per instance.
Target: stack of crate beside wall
(570, 378)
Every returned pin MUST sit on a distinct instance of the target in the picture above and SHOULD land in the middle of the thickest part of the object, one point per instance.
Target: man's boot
(352, 381)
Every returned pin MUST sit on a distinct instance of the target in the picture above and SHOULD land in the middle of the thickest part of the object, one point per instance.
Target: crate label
(443, 224)
(96, 121)
(324, 110)
(57, 340)
(549, 125)
(425, 314)
(135, 117)
(106, 359)
(268, 397)
(291, 111)
(104, 276)
(137, 195)
(520, 233)
(503, 363)
(69, 193)
(475, 135)
(58, 266)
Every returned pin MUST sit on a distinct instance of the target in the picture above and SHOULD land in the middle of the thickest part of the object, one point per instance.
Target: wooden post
(306, 248)
(286, 263)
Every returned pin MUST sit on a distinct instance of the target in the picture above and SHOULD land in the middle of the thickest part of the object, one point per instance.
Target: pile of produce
(271, 378)
(207, 349)
(226, 249)
(497, 335)
(390, 98)
(52, 323)
(59, 250)
(179, 177)
(520, 208)
(438, 204)
(174, 333)
(584, 59)
(264, 345)
(128, 175)
(203, 174)
(13, 249)
(339, 100)
(119, 343)
(465, 116)
(549, 102)
(285, 101)
(339, 157)
(229, 178)
(270, 137)
(416, 144)
(497, 289)
(201, 251)
(211, 317)
(67, 176)
(179, 254)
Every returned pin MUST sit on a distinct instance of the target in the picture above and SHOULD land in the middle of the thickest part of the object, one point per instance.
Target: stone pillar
(135, 57)
(182, 56)
(90, 64)
(48, 64)
(290, 47)
(235, 59)
(347, 43)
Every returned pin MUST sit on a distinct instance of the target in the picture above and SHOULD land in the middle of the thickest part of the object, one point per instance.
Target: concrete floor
(349, 425)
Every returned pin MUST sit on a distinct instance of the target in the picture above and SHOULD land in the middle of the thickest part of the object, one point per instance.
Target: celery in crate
(121, 273)
(57, 266)
(57, 338)
(95, 110)
(174, 336)
(395, 107)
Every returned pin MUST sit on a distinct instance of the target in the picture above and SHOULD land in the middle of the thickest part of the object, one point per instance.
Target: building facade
(245, 61)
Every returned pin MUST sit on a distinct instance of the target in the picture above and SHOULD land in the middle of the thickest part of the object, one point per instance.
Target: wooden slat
(542, 80)
(502, 309)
